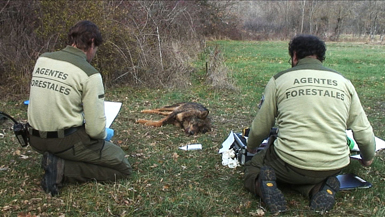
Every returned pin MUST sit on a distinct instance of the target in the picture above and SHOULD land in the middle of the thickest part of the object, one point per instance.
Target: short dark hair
(307, 45)
(82, 33)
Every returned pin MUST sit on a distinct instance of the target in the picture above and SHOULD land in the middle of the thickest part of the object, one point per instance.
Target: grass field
(171, 182)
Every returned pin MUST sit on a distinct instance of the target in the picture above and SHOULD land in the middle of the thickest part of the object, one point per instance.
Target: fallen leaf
(22, 156)
(175, 156)
(248, 204)
(259, 212)
(6, 208)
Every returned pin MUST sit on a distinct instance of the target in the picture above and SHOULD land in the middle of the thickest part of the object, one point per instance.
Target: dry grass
(218, 74)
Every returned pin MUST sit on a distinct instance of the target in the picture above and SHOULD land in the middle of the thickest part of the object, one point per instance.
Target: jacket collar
(308, 60)
(75, 51)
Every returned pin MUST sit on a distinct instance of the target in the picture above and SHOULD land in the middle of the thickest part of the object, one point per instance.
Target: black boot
(268, 191)
(323, 199)
(54, 170)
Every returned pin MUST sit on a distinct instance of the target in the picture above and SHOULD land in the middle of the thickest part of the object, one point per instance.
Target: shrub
(147, 43)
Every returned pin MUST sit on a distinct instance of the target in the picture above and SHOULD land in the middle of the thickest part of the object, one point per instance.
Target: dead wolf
(190, 116)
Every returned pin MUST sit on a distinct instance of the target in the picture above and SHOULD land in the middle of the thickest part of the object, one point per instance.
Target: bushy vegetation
(147, 43)
(153, 43)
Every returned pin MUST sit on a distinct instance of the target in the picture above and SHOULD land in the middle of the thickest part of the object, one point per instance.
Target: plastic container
(191, 147)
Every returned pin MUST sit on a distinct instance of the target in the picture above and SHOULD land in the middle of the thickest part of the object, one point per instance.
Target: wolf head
(195, 125)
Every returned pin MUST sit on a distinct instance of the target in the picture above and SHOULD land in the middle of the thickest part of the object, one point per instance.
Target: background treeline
(331, 20)
(153, 43)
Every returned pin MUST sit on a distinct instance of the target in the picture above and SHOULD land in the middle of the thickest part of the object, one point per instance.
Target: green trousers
(85, 158)
(300, 180)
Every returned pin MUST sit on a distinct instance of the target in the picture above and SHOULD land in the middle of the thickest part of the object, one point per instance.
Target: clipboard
(351, 181)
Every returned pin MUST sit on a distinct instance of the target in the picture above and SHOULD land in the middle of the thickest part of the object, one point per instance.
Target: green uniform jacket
(312, 106)
(66, 91)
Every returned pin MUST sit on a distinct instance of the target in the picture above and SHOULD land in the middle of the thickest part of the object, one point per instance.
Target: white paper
(111, 110)
(356, 156)
(227, 143)
(380, 144)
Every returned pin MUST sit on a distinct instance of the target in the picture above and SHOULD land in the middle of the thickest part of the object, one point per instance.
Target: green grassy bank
(171, 182)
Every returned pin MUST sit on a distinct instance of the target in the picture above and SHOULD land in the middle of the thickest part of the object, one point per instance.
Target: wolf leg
(157, 111)
(159, 123)
(150, 123)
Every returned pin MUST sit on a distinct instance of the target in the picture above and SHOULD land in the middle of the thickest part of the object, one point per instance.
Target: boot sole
(271, 195)
(324, 200)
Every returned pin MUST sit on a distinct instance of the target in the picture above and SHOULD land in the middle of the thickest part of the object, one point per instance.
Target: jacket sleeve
(362, 130)
(93, 107)
(265, 118)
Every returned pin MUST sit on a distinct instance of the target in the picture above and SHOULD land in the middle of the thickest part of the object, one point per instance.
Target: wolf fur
(190, 116)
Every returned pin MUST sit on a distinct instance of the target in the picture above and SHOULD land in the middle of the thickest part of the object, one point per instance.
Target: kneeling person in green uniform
(312, 106)
(66, 115)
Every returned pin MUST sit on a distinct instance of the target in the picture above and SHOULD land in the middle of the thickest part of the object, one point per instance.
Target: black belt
(55, 134)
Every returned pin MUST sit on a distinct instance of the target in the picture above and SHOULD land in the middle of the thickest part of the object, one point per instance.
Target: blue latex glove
(110, 134)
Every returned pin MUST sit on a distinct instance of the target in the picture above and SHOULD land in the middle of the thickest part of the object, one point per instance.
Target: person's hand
(366, 163)
(110, 134)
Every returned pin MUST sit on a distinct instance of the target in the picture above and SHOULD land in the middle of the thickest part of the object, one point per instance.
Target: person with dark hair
(83, 35)
(66, 116)
(312, 106)
(307, 45)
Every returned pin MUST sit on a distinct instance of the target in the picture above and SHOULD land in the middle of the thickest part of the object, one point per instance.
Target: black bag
(240, 146)
(20, 130)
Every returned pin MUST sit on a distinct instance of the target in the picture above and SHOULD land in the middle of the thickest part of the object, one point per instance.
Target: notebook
(351, 181)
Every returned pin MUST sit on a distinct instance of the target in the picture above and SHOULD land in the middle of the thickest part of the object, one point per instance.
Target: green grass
(171, 182)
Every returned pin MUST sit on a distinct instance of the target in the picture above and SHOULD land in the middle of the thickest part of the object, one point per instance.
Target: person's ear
(294, 59)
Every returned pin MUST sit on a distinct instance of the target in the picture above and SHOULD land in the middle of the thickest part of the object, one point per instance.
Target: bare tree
(303, 4)
(328, 19)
